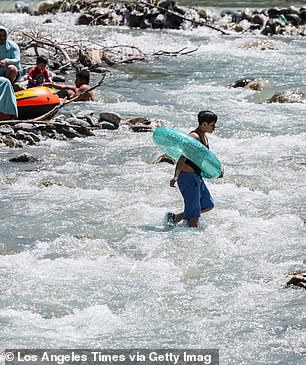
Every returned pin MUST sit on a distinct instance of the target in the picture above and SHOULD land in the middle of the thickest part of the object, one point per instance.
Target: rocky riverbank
(85, 123)
(166, 14)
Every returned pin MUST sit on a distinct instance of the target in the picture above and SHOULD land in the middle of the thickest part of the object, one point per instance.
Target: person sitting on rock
(8, 104)
(10, 66)
(39, 74)
(81, 89)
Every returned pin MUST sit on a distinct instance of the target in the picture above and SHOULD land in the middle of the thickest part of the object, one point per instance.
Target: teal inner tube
(176, 143)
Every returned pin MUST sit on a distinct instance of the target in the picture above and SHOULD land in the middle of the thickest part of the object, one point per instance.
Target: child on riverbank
(39, 74)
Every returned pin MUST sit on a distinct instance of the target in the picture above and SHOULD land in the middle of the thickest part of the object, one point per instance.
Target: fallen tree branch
(49, 43)
(174, 53)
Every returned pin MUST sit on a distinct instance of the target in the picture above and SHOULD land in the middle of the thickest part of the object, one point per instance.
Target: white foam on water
(87, 261)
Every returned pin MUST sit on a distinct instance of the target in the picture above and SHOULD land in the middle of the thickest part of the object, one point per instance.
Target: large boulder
(288, 96)
(48, 6)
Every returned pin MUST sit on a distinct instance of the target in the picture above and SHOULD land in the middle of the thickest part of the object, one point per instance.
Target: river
(85, 260)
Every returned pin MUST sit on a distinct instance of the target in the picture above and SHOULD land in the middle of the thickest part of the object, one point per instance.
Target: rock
(29, 127)
(5, 130)
(113, 118)
(34, 136)
(70, 132)
(12, 142)
(25, 136)
(288, 96)
(258, 19)
(79, 122)
(294, 19)
(141, 128)
(48, 6)
(165, 158)
(22, 7)
(24, 157)
(173, 21)
(274, 12)
(85, 19)
(257, 85)
(136, 19)
(88, 116)
(238, 28)
(108, 125)
(91, 57)
(138, 120)
(259, 44)
(298, 279)
(159, 22)
(303, 16)
(241, 83)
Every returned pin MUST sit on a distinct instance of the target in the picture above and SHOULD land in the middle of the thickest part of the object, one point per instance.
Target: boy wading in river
(196, 196)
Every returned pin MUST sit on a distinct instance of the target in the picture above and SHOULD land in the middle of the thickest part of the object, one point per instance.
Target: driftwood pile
(65, 56)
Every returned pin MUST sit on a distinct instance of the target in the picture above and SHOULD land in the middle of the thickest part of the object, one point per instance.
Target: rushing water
(85, 260)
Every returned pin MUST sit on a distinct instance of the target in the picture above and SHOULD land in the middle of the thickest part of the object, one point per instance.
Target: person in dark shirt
(197, 198)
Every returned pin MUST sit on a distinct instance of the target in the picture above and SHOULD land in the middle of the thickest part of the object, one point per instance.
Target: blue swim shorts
(195, 194)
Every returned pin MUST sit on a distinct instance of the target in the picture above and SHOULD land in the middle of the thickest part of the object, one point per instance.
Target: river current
(85, 261)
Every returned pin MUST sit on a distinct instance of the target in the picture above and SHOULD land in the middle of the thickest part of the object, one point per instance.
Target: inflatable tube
(36, 101)
(176, 143)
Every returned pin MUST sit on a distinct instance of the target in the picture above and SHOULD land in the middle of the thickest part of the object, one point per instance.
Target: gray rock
(241, 83)
(165, 158)
(113, 118)
(141, 128)
(78, 122)
(136, 19)
(24, 157)
(22, 7)
(138, 120)
(108, 125)
(288, 96)
(34, 136)
(84, 19)
(88, 116)
(298, 279)
(48, 6)
(12, 142)
(6, 130)
(29, 127)
(25, 136)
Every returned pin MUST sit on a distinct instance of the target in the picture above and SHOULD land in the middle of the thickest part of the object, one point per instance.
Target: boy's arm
(47, 76)
(59, 86)
(178, 169)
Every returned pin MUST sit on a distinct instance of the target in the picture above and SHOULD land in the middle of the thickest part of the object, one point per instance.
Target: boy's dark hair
(207, 116)
(42, 59)
(83, 74)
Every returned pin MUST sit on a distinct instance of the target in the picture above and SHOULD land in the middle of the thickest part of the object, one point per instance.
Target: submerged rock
(241, 83)
(24, 157)
(165, 158)
(298, 279)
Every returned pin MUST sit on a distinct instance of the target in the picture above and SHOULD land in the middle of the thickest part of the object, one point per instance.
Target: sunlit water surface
(85, 259)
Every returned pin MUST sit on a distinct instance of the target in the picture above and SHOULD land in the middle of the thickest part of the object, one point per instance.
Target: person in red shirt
(39, 74)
